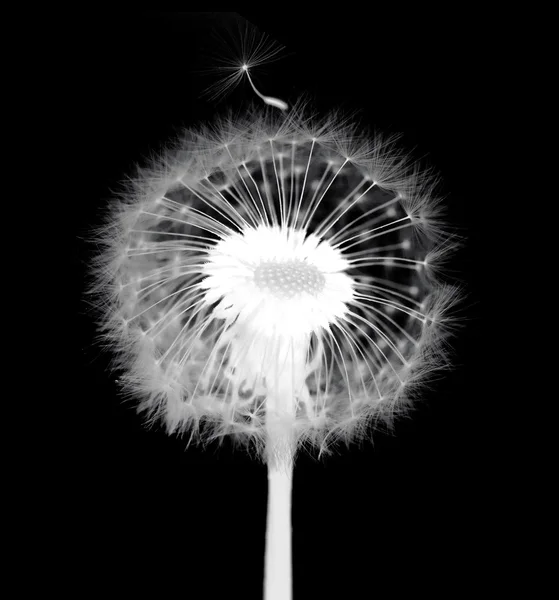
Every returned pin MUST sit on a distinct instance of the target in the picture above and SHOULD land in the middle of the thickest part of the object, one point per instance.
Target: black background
(405, 508)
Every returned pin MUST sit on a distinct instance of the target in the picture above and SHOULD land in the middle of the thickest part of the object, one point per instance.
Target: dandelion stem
(277, 567)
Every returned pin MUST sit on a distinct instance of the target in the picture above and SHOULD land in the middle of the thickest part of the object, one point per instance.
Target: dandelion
(272, 278)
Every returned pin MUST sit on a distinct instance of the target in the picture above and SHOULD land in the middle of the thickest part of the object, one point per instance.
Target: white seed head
(269, 275)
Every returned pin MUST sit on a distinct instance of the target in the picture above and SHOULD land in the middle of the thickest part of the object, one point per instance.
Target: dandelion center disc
(259, 278)
(289, 279)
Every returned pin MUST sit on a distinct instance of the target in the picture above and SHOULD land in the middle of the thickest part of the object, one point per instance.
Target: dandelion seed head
(265, 275)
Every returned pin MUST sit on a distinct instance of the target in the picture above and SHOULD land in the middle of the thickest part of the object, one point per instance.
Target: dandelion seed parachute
(272, 277)
(256, 49)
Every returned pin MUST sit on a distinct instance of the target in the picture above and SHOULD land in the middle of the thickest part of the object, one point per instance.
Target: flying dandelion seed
(273, 279)
(256, 50)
